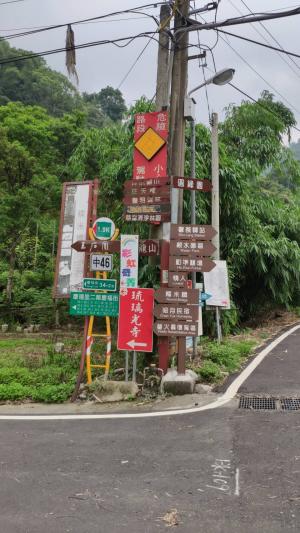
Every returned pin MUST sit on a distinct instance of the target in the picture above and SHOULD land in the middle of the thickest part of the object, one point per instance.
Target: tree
(110, 100)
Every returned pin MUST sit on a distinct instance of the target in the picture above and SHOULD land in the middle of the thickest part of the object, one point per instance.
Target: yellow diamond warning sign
(149, 143)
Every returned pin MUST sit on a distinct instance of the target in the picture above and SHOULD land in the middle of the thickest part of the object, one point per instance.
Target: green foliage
(210, 372)
(109, 101)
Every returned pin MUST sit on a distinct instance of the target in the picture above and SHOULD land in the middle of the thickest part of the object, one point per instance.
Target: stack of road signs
(147, 195)
(176, 312)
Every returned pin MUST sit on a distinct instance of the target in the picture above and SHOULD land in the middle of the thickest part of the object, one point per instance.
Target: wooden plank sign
(166, 295)
(144, 217)
(149, 247)
(188, 264)
(146, 200)
(147, 209)
(192, 231)
(192, 248)
(176, 311)
(150, 182)
(177, 279)
(192, 184)
(96, 246)
(164, 190)
(175, 329)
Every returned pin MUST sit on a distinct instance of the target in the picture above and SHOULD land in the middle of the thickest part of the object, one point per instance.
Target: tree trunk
(10, 279)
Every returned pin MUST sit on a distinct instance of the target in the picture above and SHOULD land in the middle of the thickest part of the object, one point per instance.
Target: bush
(14, 391)
(209, 371)
(52, 393)
(223, 355)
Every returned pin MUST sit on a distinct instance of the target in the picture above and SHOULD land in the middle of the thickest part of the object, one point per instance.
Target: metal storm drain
(290, 404)
(257, 403)
(267, 403)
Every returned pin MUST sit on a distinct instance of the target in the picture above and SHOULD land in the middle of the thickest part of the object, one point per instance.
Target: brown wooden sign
(192, 248)
(146, 248)
(188, 264)
(147, 209)
(177, 279)
(192, 184)
(151, 182)
(149, 247)
(166, 295)
(144, 217)
(146, 200)
(192, 231)
(176, 311)
(162, 328)
(96, 246)
(143, 191)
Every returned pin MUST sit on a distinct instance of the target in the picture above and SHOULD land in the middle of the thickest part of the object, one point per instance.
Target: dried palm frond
(71, 54)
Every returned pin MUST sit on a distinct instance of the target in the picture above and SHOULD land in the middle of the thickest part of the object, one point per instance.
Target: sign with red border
(150, 151)
(135, 326)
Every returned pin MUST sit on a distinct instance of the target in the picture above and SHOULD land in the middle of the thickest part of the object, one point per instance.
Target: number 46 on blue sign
(101, 263)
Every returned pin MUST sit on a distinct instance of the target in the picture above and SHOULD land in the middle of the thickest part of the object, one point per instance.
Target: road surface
(226, 470)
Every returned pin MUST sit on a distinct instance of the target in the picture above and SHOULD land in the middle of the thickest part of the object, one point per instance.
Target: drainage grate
(257, 403)
(290, 404)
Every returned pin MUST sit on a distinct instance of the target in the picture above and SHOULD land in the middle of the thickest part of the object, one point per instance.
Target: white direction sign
(129, 253)
(216, 284)
(101, 263)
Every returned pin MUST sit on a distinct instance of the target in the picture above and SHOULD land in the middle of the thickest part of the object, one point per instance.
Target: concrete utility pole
(177, 130)
(162, 89)
(215, 209)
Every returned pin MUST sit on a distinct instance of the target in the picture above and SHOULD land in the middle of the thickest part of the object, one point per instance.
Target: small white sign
(129, 262)
(216, 284)
(101, 263)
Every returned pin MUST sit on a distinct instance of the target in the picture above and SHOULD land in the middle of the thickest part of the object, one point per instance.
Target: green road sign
(88, 303)
(99, 284)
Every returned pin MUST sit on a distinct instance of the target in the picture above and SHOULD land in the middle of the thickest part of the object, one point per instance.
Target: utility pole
(215, 201)
(177, 129)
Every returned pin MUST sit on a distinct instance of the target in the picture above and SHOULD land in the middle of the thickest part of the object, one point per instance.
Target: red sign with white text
(150, 150)
(135, 325)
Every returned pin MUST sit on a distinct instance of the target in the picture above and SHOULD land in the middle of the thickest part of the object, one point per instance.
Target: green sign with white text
(99, 284)
(91, 304)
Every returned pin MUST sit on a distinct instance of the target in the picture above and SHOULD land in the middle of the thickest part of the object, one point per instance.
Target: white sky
(106, 65)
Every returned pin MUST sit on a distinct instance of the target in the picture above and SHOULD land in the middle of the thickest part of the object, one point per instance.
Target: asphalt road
(226, 470)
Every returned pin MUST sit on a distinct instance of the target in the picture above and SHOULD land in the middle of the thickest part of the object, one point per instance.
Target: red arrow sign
(192, 184)
(192, 248)
(166, 295)
(176, 311)
(192, 231)
(187, 264)
(136, 320)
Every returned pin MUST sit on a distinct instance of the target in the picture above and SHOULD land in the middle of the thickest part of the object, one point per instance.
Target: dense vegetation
(49, 134)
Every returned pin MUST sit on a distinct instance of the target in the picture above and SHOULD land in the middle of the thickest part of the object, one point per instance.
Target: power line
(92, 22)
(266, 108)
(135, 62)
(259, 75)
(134, 10)
(115, 42)
(281, 50)
(11, 2)
(270, 34)
(264, 38)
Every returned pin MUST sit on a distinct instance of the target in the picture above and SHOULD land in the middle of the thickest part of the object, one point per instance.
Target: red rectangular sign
(150, 151)
(147, 183)
(145, 217)
(146, 200)
(135, 323)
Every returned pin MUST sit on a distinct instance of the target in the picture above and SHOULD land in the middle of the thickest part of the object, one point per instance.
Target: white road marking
(224, 399)
(237, 482)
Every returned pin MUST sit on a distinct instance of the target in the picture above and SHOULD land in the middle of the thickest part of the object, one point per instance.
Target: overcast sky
(107, 65)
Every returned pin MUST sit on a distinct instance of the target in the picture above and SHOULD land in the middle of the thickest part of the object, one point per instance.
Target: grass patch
(31, 370)
(225, 357)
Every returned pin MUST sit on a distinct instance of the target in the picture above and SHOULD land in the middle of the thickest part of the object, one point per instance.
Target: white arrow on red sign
(133, 345)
